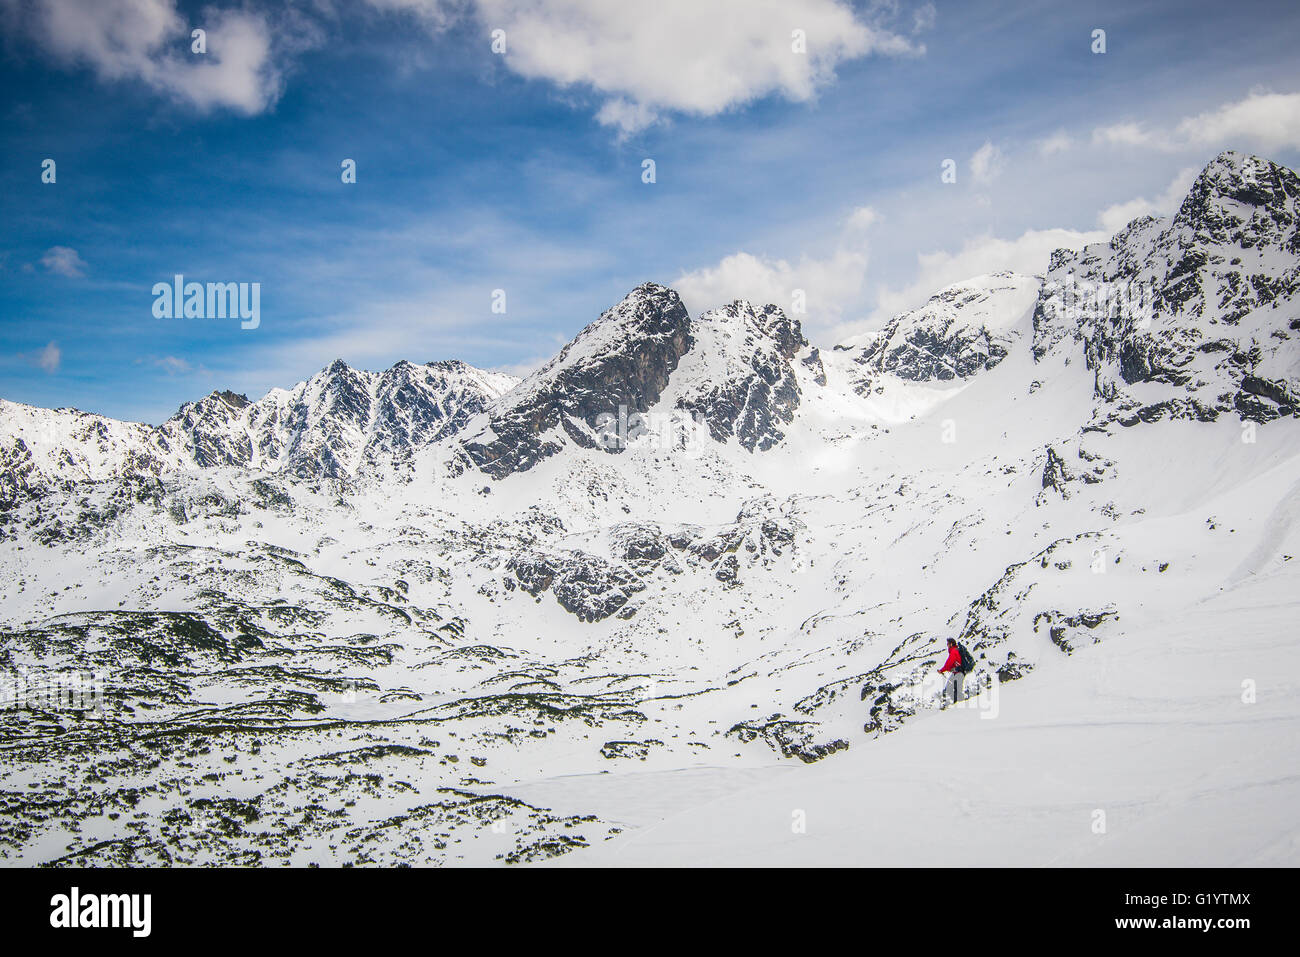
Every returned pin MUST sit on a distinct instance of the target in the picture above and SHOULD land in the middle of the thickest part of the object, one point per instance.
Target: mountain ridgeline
(1192, 316)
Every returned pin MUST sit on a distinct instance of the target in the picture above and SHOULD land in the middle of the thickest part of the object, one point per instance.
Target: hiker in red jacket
(952, 668)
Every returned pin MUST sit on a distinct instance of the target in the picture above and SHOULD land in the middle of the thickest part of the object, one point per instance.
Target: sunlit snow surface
(683, 652)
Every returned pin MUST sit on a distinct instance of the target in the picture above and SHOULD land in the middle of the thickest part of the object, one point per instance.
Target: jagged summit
(622, 361)
(739, 375)
(1239, 198)
(336, 423)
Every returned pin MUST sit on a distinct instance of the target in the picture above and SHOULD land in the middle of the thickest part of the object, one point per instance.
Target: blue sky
(522, 171)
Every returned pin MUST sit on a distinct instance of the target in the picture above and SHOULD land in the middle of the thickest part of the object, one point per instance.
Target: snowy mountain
(691, 578)
(336, 422)
(1198, 318)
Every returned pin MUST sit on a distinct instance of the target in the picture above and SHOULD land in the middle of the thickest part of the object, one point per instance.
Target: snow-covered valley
(679, 596)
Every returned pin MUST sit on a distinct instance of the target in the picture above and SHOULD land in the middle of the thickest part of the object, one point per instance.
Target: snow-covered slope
(692, 577)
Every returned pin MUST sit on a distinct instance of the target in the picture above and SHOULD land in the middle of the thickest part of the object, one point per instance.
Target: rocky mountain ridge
(1197, 307)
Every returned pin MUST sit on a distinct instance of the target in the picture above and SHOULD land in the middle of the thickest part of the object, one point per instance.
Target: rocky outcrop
(1067, 632)
(791, 739)
(587, 586)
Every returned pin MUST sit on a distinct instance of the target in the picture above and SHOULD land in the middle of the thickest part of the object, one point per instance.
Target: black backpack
(967, 662)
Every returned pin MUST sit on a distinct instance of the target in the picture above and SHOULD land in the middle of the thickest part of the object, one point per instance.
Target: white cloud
(1116, 217)
(1269, 120)
(1265, 120)
(829, 285)
(49, 358)
(1028, 254)
(1123, 134)
(435, 15)
(835, 286)
(64, 261)
(986, 164)
(862, 218)
(523, 368)
(924, 17)
(682, 56)
(149, 41)
(1058, 142)
(172, 365)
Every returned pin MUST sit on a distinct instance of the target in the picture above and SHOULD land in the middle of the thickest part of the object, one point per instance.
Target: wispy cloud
(64, 261)
(986, 164)
(49, 358)
(862, 218)
(522, 368)
(1058, 142)
(1027, 253)
(1116, 217)
(1124, 134)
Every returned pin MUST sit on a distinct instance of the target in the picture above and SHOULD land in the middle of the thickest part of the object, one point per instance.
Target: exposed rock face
(643, 547)
(205, 423)
(585, 585)
(1202, 303)
(344, 419)
(324, 429)
(41, 447)
(1055, 474)
(593, 588)
(964, 329)
(628, 749)
(1067, 632)
(418, 405)
(739, 376)
(618, 365)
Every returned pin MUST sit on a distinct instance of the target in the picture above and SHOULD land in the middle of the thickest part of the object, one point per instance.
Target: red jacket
(954, 660)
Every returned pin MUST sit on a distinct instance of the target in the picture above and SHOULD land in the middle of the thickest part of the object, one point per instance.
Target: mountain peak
(221, 399)
(1233, 188)
(619, 363)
